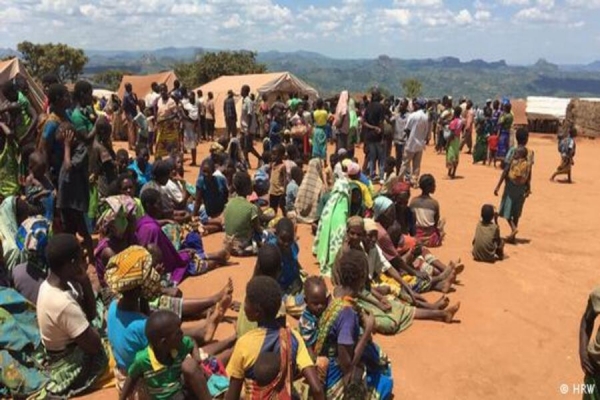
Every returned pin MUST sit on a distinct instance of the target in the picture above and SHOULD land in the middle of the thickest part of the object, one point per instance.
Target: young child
(317, 299)
(262, 303)
(487, 244)
(291, 192)
(39, 189)
(567, 148)
(277, 179)
(241, 218)
(492, 148)
(123, 161)
(168, 362)
(389, 176)
(141, 122)
(429, 225)
(261, 176)
(74, 187)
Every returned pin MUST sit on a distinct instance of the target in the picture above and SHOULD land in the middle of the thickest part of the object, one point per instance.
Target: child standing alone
(277, 179)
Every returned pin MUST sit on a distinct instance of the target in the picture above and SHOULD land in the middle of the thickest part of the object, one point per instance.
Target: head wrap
(116, 209)
(400, 187)
(353, 169)
(342, 152)
(380, 205)
(131, 269)
(355, 221)
(370, 225)
(346, 163)
(32, 238)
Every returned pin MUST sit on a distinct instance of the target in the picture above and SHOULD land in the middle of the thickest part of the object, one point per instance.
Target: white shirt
(191, 109)
(60, 318)
(418, 124)
(150, 99)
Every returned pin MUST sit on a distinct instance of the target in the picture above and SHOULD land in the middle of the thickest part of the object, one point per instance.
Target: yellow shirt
(259, 340)
(320, 117)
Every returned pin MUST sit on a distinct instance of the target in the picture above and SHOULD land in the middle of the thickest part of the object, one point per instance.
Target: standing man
(230, 114)
(152, 97)
(399, 139)
(373, 131)
(248, 125)
(201, 114)
(417, 128)
(130, 102)
(467, 138)
(210, 116)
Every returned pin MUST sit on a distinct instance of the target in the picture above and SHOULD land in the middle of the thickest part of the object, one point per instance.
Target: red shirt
(493, 142)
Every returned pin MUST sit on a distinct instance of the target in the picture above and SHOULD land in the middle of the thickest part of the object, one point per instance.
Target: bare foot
(215, 317)
(450, 312)
(446, 285)
(227, 290)
(458, 266)
(442, 303)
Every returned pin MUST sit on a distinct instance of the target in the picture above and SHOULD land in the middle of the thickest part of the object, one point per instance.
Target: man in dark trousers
(230, 114)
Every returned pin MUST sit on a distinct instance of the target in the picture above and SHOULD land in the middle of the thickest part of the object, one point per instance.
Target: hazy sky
(519, 31)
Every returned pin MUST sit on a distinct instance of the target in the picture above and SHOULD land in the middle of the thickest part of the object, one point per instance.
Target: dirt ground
(517, 331)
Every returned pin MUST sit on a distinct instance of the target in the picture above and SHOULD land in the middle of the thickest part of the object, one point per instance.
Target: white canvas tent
(271, 84)
(545, 108)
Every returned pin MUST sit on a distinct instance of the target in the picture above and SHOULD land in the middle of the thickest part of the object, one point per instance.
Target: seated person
(161, 173)
(66, 307)
(429, 226)
(339, 338)
(170, 362)
(39, 190)
(241, 218)
(133, 275)
(189, 261)
(290, 276)
(212, 195)
(32, 239)
(141, 166)
(263, 300)
(487, 244)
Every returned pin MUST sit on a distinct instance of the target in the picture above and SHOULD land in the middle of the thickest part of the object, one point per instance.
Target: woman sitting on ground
(192, 260)
(133, 275)
(212, 195)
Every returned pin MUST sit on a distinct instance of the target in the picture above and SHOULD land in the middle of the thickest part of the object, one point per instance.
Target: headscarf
(309, 192)
(370, 225)
(32, 238)
(117, 209)
(380, 205)
(342, 108)
(131, 269)
(353, 169)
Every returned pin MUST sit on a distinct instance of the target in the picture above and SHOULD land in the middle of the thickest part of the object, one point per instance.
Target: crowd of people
(70, 201)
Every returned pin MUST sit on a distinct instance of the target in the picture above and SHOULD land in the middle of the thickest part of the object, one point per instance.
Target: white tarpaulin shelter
(547, 107)
(271, 84)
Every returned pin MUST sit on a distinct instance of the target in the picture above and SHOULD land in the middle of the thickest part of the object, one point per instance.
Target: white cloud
(590, 4)
(233, 22)
(483, 15)
(397, 16)
(418, 3)
(514, 2)
(534, 14)
(464, 17)
(546, 4)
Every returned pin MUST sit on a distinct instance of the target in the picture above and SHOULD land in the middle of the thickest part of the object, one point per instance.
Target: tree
(111, 79)
(412, 88)
(64, 61)
(210, 66)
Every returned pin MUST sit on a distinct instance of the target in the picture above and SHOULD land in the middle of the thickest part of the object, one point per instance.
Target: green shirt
(81, 122)
(25, 120)
(238, 215)
(163, 382)
(486, 242)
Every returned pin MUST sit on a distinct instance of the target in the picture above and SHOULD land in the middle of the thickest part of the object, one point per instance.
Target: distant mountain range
(477, 79)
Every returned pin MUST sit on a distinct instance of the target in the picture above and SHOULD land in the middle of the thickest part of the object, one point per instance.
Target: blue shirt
(275, 133)
(143, 177)
(214, 194)
(126, 334)
(290, 269)
(58, 149)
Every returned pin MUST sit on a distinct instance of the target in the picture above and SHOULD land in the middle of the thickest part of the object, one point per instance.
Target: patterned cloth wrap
(33, 235)
(114, 208)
